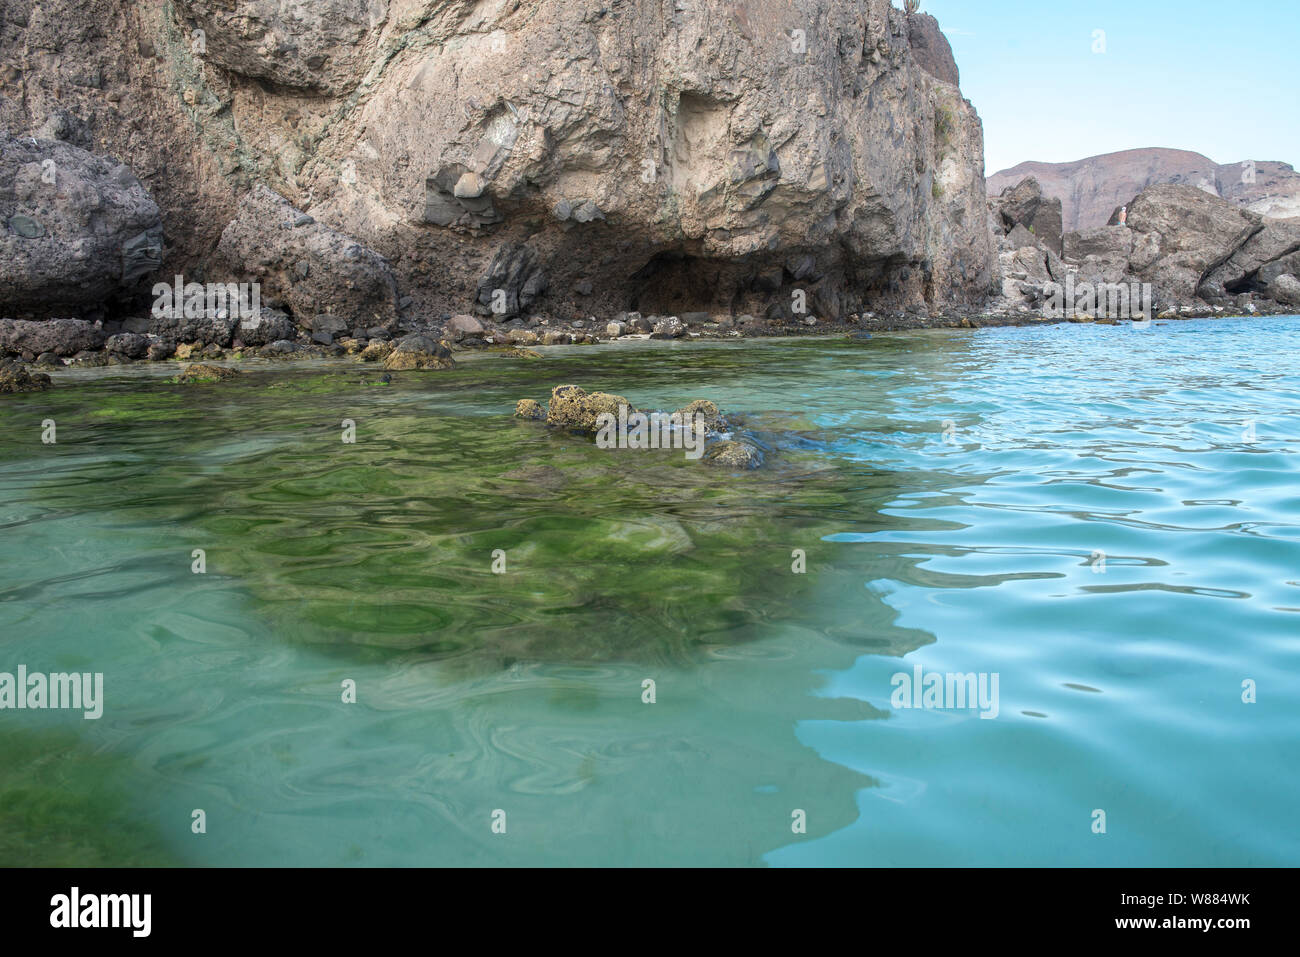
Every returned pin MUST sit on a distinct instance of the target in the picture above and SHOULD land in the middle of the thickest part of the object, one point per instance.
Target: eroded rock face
(931, 49)
(76, 230)
(718, 156)
(553, 152)
(322, 46)
(313, 269)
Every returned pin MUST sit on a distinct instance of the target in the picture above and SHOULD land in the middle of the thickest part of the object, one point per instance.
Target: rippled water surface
(1105, 518)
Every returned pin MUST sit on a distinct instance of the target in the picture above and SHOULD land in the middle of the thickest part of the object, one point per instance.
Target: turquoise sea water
(1105, 518)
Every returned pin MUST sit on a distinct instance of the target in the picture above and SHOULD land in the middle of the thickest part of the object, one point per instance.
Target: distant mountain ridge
(1091, 189)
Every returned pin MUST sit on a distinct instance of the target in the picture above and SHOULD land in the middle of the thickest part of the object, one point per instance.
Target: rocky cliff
(1091, 189)
(560, 157)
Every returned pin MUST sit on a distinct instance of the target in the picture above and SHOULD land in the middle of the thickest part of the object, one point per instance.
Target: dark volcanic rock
(63, 337)
(15, 377)
(513, 282)
(272, 241)
(128, 344)
(76, 229)
(931, 48)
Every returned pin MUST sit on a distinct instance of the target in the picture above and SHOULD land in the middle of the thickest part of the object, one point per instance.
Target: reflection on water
(1077, 510)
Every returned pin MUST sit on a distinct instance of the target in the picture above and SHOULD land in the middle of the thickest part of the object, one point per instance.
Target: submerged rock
(572, 407)
(713, 420)
(740, 456)
(15, 377)
(419, 352)
(206, 373)
(530, 409)
(376, 350)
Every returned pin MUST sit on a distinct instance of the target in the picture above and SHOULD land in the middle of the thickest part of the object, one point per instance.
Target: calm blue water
(1106, 518)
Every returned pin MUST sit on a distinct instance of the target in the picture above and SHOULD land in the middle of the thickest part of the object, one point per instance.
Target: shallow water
(1081, 511)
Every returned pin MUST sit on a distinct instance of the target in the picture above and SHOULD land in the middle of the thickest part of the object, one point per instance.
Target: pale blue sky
(1218, 78)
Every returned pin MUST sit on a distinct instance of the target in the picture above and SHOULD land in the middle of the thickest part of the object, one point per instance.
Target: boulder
(312, 269)
(128, 344)
(530, 409)
(269, 326)
(1285, 289)
(62, 337)
(1181, 233)
(463, 326)
(1025, 205)
(737, 456)
(1239, 271)
(1108, 242)
(708, 411)
(15, 377)
(77, 230)
(572, 407)
(418, 352)
(376, 350)
(204, 329)
(669, 328)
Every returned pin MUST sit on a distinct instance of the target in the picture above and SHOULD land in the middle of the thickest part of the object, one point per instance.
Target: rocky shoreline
(72, 343)
(399, 198)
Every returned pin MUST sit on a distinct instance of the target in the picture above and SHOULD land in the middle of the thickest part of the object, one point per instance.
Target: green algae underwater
(381, 551)
(944, 489)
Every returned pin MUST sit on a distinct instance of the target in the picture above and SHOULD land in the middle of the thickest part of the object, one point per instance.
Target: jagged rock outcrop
(1181, 232)
(1024, 205)
(1191, 246)
(931, 49)
(1092, 189)
(77, 230)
